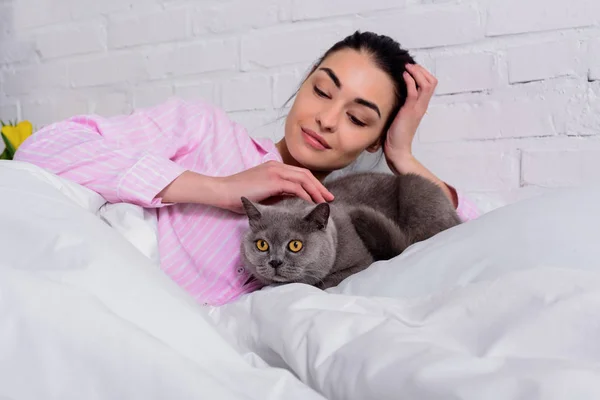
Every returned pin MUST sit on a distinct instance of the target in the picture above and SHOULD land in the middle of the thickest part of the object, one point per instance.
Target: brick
(484, 171)
(290, 45)
(91, 8)
(151, 95)
(205, 56)
(137, 29)
(487, 120)
(285, 85)
(33, 78)
(71, 40)
(561, 168)
(16, 51)
(544, 61)
(8, 112)
(506, 17)
(39, 13)
(581, 117)
(239, 15)
(46, 111)
(309, 9)
(111, 104)
(246, 93)
(594, 57)
(108, 69)
(445, 25)
(466, 73)
(6, 21)
(197, 91)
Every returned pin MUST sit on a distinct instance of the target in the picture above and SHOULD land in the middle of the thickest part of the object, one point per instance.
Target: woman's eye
(356, 121)
(320, 93)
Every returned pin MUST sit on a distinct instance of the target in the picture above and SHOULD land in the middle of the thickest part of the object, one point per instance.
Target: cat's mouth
(279, 275)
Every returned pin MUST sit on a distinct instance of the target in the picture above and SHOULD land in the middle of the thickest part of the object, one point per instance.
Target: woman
(192, 164)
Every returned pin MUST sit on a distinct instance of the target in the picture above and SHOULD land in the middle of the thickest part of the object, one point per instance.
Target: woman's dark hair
(387, 55)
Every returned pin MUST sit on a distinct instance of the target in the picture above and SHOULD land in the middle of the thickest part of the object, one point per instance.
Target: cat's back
(363, 187)
(397, 196)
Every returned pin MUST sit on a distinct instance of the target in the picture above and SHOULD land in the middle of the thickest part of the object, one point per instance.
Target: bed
(503, 307)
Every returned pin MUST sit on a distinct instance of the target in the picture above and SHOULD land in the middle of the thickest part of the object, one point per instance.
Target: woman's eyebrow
(333, 76)
(338, 84)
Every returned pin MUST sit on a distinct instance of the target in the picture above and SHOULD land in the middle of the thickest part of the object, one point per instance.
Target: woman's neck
(289, 160)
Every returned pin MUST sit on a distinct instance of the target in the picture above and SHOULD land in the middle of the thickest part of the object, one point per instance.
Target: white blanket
(504, 307)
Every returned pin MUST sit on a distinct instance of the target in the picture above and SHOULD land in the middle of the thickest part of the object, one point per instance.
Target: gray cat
(375, 216)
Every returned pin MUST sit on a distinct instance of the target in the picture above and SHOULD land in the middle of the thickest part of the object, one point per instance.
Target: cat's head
(288, 244)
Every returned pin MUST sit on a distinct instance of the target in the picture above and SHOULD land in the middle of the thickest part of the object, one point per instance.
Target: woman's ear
(374, 147)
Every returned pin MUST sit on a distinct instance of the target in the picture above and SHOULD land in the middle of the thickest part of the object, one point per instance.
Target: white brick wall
(559, 168)
(593, 51)
(517, 108)
(466, 73)
(544, 61)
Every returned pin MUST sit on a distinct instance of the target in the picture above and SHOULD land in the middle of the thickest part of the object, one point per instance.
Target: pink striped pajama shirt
(132, 158)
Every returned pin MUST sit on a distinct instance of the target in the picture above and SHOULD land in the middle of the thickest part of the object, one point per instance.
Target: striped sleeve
(466, 209)
(124, 159)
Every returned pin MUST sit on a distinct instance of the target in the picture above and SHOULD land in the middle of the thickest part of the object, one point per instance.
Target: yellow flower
(17, 134)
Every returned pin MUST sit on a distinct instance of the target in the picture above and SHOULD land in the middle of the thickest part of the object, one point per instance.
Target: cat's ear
(319, 216)
(252, 212)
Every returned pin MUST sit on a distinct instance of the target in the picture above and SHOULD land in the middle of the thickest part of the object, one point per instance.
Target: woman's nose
(327, 120)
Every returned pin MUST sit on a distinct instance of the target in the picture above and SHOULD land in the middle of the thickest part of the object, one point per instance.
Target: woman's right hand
(268, 180)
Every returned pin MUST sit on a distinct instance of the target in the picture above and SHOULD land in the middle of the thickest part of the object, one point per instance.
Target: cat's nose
(275, 263)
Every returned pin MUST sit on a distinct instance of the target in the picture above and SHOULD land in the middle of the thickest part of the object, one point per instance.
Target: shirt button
(240, 270)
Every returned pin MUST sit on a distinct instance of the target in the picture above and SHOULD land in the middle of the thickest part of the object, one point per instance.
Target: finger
(324, 192)
(426, 89)
(432, 79)
(299, 176)
(288, 187)
(411, 86)
(419, 76)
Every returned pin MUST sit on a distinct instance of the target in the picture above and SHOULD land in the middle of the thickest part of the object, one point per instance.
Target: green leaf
(10, 150)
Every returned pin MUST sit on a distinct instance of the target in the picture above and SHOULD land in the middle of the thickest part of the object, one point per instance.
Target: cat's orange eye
(295, 246)
(262, 245)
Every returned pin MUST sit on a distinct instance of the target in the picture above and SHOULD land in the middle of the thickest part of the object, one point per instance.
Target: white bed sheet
(504, 307)
(85, 315)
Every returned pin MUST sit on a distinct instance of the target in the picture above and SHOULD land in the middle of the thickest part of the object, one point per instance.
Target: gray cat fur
(374, 216)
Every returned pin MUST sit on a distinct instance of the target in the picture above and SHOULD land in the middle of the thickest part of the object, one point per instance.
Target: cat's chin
(277, 279)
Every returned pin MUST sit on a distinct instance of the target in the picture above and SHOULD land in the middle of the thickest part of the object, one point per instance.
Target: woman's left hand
(421, 86)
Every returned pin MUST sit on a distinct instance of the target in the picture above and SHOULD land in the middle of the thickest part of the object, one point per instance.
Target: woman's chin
(311, 159)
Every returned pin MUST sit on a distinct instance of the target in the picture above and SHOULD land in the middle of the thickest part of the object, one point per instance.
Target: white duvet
(504, 307)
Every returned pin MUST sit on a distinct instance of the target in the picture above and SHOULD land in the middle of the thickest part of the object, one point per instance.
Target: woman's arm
(125, 158)
(132, 159)
(398, 146)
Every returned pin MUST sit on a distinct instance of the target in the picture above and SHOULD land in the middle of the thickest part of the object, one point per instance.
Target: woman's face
(339, 111)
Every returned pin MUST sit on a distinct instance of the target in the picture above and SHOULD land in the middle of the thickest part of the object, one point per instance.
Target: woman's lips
(314, 140)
